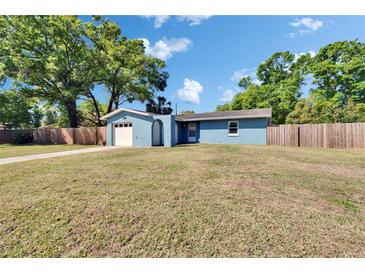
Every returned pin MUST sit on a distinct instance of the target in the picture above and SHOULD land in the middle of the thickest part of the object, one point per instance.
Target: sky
(206, 56)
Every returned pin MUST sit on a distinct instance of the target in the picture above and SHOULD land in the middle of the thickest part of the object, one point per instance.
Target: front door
(192, 132)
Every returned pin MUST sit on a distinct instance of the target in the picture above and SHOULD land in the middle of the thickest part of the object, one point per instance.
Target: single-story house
(129, 127)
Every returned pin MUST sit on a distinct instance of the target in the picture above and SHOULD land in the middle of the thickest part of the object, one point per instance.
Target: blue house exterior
(143, 129)
(142, 123)
(250, 131)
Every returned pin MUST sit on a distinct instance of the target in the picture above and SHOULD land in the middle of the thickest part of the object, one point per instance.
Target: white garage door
(123, 134)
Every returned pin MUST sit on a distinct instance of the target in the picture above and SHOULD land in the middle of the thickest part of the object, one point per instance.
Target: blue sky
(206, 56)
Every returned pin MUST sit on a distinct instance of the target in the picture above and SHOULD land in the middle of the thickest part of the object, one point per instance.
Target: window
(232, 128)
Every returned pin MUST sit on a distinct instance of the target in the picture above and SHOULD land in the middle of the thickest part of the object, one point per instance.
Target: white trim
(126, 110)
(238, 128)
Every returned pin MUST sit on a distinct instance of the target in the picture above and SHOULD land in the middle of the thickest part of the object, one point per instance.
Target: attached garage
(135, 128)
(123, 134)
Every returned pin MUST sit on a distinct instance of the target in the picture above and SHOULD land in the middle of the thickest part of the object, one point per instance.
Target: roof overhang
(139, 112)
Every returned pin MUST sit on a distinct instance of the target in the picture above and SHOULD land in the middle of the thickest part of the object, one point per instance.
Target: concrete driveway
(10, 160)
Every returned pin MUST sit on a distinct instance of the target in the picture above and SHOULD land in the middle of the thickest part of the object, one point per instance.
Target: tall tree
(161, 106)
(279, 81)
(339, 78)
(47, 57)
(122, 66)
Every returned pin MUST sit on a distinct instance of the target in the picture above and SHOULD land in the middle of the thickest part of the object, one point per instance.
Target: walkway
(10, 160)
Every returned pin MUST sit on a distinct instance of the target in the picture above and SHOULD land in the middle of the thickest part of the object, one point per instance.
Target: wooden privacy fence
(53, 136)
(351, 135)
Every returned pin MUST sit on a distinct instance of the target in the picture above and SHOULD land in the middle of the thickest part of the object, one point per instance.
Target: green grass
(22, 150)
(191, 201)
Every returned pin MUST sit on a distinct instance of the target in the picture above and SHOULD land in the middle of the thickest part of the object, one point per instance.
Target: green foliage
(60, 59)
(161, 106)
(279, 87)
(17, 111)
(50, 116)
(88, 114)
(187, 112)
(122, 66)
(338, 79)
(47, 57)
(223, 107)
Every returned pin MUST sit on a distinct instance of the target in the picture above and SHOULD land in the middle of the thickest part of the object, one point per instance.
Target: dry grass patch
(192, 201)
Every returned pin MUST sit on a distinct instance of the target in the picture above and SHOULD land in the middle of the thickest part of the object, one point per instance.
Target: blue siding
(142, 128)
(168, 129)
(251, 131)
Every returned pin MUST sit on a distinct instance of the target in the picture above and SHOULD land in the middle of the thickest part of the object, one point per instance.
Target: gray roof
(222, 115)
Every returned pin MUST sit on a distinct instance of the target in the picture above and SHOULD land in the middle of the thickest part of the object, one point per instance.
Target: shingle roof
(221, 115)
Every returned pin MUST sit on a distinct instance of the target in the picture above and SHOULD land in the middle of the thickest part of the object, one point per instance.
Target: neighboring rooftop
(221, 115)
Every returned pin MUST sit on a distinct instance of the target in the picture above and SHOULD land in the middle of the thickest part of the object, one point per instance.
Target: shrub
(23, 138)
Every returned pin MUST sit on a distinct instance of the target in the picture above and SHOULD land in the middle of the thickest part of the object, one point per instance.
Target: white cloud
(239, 74)
(305, 25)
(166, 48)
(158, 20)
(190, 92)
(297, 55)
(308, 23)
(193, 20)
(227, 96)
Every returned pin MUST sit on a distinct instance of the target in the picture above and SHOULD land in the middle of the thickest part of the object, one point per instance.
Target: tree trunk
(72, 113)
(96, 107)
(116, 103)
(110, 104)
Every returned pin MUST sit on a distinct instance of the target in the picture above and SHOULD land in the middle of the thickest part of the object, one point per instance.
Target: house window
(232, 128)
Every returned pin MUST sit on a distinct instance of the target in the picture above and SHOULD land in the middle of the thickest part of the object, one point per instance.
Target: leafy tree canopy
(60, 59)
(338, 79)
(16, 111)
(161, 106)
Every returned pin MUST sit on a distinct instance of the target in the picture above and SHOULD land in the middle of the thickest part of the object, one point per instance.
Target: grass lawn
(22, 150)
(192, 201)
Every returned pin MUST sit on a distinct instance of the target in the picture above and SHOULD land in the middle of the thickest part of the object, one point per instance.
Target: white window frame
(238, 128)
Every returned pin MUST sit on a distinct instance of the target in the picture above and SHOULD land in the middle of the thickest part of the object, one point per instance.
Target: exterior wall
(251, 131)
(183, 132)
(168, 122)
(142, 128)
